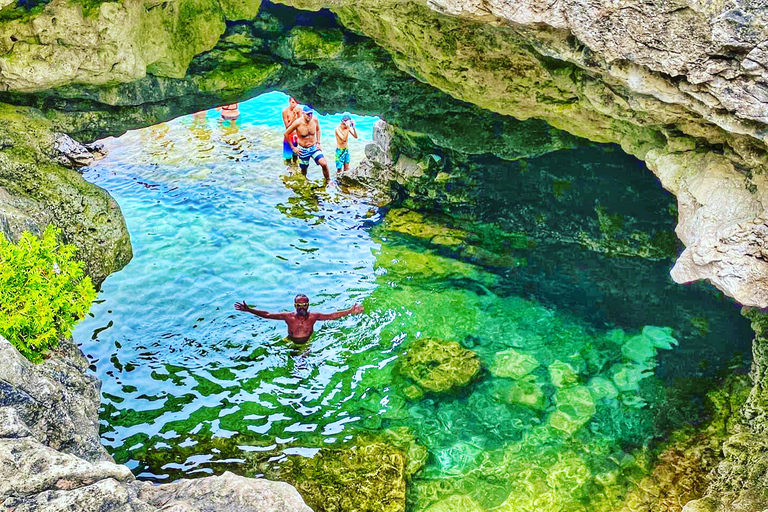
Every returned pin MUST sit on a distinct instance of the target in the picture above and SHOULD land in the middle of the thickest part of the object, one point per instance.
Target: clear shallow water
(192, 387)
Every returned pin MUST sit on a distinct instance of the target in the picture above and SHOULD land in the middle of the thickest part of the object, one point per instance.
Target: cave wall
(685, 98)
(680, 85)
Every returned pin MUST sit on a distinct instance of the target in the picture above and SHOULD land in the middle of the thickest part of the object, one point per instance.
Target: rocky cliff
(681, 85)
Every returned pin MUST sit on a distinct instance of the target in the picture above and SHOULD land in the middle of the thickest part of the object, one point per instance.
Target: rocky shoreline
(51, 458)
(689, 99)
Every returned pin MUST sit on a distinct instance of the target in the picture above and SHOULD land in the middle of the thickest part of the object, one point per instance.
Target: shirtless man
(290, 114)
(308, 133)
(346, 127)
(301, 323)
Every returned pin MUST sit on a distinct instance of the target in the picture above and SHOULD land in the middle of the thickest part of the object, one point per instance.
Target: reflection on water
(559, 418)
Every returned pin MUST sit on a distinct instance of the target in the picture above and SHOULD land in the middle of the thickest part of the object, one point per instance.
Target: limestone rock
(575, 407)
(74, 154)
(528, 393)
(35, 191)
(11, 425)
(438, 365)
(513, 364)
(57, 400)
(107, 495)
(28, 467)
(563, 374)
(228, 492)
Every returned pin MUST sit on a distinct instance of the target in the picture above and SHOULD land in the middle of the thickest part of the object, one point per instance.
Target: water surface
(192, 387)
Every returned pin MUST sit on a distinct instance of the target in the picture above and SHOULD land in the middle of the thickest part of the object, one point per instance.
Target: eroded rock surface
(36, 191)
(227, 492)
(57, 400)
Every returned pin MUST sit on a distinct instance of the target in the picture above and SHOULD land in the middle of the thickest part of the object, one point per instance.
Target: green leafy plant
(43, 292)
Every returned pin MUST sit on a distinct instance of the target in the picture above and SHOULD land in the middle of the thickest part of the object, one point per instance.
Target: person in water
(301, 323)
(345, 128)
(308, 134)
(229, 112)
(290, 114)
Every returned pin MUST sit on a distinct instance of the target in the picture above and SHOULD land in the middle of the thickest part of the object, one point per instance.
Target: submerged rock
(439, 366)
(513, 364)
(367, 478)
(575, 407)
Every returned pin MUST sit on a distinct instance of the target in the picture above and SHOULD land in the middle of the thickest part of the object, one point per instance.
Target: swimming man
(301, 323)
(290, 114)
(346, 126)
(308, 134)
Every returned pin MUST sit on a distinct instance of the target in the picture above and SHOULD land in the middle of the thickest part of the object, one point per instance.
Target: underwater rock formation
(366, 477)
(439, 366)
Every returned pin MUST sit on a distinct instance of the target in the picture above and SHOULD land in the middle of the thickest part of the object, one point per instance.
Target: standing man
(301, 323)
(290, 114)
(308, 134)
(346, 126)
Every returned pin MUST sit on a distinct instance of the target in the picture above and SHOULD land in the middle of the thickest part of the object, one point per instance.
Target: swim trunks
(342, 157)
(306, 154)
(288, 153)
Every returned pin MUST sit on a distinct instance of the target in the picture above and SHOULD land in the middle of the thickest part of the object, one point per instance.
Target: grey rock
(57, 399)
(11, 425)
(72, 154)
(28, 467)
(227, 492)
(103, 496)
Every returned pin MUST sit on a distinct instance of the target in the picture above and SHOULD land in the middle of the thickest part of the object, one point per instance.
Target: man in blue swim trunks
(308, 134)
(345, 128)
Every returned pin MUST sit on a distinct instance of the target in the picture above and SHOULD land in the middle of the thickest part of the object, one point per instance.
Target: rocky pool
(527, 377)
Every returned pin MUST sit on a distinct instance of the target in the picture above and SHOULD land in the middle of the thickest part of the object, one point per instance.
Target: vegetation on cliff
(43, 292)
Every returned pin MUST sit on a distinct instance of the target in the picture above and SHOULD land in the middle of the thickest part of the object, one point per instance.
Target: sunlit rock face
(618, 74)
(679, 85)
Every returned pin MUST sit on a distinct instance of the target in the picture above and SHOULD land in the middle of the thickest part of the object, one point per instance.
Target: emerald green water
(192, 387)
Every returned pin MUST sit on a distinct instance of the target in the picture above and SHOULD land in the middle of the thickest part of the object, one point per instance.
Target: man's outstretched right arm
(242, 306)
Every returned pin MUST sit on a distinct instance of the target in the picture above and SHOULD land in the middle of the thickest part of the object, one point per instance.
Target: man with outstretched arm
(301, 323)
(307, 130)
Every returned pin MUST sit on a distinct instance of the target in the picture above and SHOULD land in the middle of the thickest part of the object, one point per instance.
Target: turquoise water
(192, 387)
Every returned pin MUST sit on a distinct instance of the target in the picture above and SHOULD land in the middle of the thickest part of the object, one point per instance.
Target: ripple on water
(190, 386)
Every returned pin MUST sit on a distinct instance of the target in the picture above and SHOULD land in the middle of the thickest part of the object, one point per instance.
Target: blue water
(192, 387)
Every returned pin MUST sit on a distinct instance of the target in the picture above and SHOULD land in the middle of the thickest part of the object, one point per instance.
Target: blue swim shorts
(306, 154)
(342, 157)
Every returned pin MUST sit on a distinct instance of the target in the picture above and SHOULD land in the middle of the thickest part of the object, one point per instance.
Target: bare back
(290, 114)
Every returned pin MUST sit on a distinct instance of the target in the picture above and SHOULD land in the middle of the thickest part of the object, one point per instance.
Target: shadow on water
(580, 371)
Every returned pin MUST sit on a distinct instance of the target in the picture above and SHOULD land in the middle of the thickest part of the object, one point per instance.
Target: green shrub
(42, 292)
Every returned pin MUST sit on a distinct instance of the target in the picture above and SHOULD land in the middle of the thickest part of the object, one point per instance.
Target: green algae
(360, 478)
(311, 44)
(439, 366)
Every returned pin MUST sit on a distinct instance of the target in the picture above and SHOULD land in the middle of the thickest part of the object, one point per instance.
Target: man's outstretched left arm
(354, 310)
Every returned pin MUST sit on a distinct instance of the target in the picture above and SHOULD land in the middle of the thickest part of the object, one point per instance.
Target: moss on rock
(365, 478)
(87, 215)
(439, 366)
